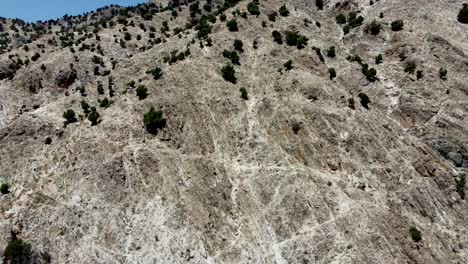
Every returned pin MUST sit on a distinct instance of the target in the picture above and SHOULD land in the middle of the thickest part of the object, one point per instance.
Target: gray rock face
(293, 174)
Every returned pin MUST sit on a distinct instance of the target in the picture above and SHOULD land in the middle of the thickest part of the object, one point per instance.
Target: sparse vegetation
(332, 73)
(93, 117)
(378, 59)
(156, 72)
(288, 65)
(443, 74)
(365, 101)
(232, 55)
(460, 187)
(419, 74)
(277, 37)
(319, 4)
(410, 67)
(341, 19)
(374, 28)
(295, 39)
(69, 116)
(272, 16)
(16, 251)
(397, 25)
(48, 141)
(283, 11)
(253, 9)
(243, 92)
(331, 52)
(239, 45)
(153, 120)
(463, 14)
(415, 234)
(228, 73)
(5, 188)
(232, 25)
(142, 92)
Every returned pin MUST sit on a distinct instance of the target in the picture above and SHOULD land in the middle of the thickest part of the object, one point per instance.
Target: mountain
(237, 132)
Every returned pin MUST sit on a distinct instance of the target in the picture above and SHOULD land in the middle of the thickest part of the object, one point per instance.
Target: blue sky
(33, 10)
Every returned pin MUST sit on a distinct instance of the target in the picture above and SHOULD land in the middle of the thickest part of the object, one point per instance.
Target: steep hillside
(237, 132)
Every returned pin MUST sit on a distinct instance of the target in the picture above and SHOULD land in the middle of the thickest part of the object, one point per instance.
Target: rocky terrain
(277, 134)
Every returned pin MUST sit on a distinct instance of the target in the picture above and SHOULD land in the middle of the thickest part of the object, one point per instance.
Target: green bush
(142, 92)
(85, 106)
(232, 25)
(319, 4)
(346, 29)
(419, 74)
(48, 141)
(374, 28)
(222, 17)
(238, 45)
(232, 55)
(5, 188)
(378, 59)
(397, 25)
(16, 250)
(36, 56)
(296, 39)
(415, 234)
(253, 9)
(354, 20)
(369, 73)
(332, 73)
(69, 116)
(153, 120)
(277, 37)
(365, 101)
(443, 74)
(331, 52)
(351, 103)
(243, 92)
(283, 11)
(93, 117)
(156, 72)
(463, 14)
(410, 67)
(288, 65)
(104, 103)
(461, 186)
(272, 16)
(341, 19)
(228, 73)
(100, 88)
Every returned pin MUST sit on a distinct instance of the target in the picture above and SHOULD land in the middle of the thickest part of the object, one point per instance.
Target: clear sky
(33, 10)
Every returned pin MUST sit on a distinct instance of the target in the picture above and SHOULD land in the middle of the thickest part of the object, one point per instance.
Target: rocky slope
(298, 172)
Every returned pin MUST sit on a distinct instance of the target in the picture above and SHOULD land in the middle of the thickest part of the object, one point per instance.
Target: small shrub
(100, 88)
(346, 29)
(415, 234)
(93, 117)
(410, 67)
(365, 101)
(153, 120)
(397, 25)
(461, 186)
(369, 73)
(69, 116)
(378, 59)
(156, 72)
(16, 251)
(48, 141)
(232, 55)
(374, 28)
(354, 20)
(243, 92)
(272, 16)
(351, 103)
(238, 45)
(36, 56)
(232, 25)
(253, 9)
(296, 126)
(419, 74)
(222, 17)
(5, 188)
(463, 14)
(85, 106)
(296, 39)
(331, 52)
(104, 103)
(341, 19)
(332, 73)
(319, 4)
(443, 74)
(283, 11)
(288, 65)
(142, 92)
(228, 73)
(277, 37)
